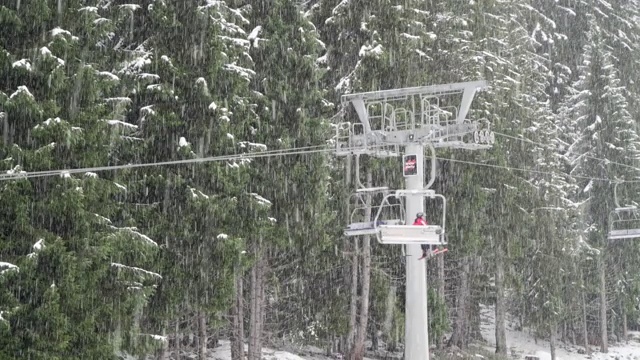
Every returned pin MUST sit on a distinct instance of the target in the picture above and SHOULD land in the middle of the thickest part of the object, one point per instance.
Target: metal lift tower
(402, 122)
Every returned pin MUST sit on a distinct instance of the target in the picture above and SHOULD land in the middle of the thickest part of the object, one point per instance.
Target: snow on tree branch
(134, 231)
(261, 200)
(136, 270)
(8, 267)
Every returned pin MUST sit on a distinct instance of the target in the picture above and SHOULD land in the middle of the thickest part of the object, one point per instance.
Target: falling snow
(164, 164)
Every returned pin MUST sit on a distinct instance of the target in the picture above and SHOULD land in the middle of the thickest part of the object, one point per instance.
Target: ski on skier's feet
(433, 253)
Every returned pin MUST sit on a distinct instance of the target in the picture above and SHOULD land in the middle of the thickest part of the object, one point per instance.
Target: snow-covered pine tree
(605, 150)
(57, 104)
(290, 112)
(187, 72)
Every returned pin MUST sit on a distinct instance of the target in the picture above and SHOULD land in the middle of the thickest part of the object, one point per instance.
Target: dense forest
(237, 231)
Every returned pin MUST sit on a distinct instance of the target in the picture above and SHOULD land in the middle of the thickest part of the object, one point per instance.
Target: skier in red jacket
(422, 222)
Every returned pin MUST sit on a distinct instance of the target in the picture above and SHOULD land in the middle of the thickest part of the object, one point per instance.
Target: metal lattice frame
(390, 119)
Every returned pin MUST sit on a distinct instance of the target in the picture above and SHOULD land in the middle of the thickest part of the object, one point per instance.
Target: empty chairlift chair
(367, 226)
(624, 221)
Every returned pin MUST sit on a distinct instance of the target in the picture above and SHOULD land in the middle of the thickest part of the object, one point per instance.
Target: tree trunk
(440, 268)
(237, 313)
(459, 337)
(361, 334)
(388, 315)
(374, 333)
(353, 306)
(257, 307)
(501, 338)
(178, 338)
(603, 306)
(552, 339)
(585, 329)
(202, 335)
(625, 333)
(4, 117)
(164, 351)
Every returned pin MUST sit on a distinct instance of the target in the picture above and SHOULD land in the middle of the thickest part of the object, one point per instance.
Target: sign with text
(410, 165)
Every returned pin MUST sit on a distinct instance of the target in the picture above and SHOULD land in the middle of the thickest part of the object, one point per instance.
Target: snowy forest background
(162, 260)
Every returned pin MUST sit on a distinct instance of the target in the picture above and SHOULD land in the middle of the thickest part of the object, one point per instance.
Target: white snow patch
(134, 231)
(156, 337)
(119, 99)
(222, 236)
(147, 110)
(195, 193)
(44, 51)
(368, 50)
(120, 186)
(91, 174)
(253, 36)
(49, 122)
(121, 123)
(103, 219)
(8, 267)
(223, 352)
(521, 343)
(134, 66)
(213, 106)
(253, 146)
(147, 76)
(91, 9)
(261, 200)
(59, 31)
(109, 75)
(130, 7)
(39, 245)
(16, 170)
(23, 63)
(136, 269)
(21, 90)
(230, 136)
(244, 73)
(183, 142)
(166, 59)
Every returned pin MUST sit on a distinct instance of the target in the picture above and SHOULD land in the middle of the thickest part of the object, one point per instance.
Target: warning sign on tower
(410, 165)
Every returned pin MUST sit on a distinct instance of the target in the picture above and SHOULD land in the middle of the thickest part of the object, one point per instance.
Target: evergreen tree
(290, 108)
(58, 101)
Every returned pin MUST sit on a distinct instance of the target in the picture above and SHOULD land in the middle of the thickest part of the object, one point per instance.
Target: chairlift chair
(411, 234)
(624, 221)
(367, 227)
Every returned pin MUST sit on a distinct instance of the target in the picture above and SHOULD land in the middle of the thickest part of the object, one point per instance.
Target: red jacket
(419, 221)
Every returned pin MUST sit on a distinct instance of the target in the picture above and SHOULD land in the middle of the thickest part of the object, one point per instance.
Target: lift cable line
(525, 140)
(535, 171)
(14, 175)
(624, 220)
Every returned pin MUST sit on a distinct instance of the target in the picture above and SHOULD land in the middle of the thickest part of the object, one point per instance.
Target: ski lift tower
(402, 122)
